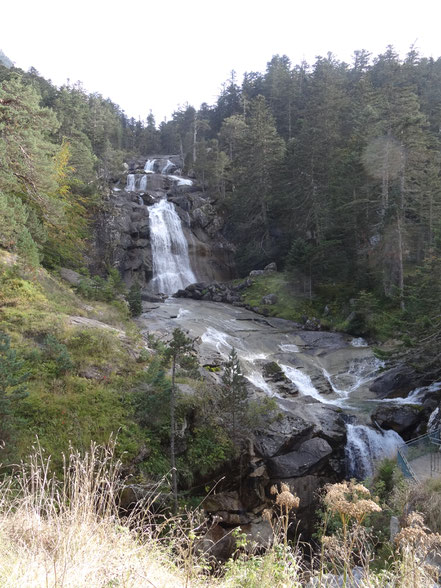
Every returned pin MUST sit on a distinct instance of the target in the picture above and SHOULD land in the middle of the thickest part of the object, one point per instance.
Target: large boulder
(70, 276)
(307, 459)
(282, 435)
(401, 419)
(398, 381)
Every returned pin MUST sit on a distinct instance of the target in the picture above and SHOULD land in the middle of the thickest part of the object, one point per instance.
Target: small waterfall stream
(365, 445)
(171, 262)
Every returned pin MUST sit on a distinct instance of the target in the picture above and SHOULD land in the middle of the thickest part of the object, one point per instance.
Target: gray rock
(223, 501)
(70, 276)
(220, 543)
(270, 299)
(255, 273)
(270, 268)
(398, 381)
(398, 418)
(282, 435)
(308, 457)
(91, 373)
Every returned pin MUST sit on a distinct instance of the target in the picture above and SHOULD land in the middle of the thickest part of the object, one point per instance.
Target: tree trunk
(400, 220)
(172, 440)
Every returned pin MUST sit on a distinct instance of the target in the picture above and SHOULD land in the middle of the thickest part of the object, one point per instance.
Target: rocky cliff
(122, 229)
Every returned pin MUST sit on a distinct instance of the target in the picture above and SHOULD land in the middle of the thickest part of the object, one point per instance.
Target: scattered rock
(91, 373)
(270, 299)
(270, 268)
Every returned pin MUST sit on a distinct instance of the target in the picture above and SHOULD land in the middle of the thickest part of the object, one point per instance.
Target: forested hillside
(332, 170)
(329, 170)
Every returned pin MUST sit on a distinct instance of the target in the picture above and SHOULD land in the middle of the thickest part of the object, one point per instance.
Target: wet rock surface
(122, 229)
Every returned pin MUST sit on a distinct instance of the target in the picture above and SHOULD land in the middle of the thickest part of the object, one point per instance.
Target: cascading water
(171, 262)
(143, 183)
(131, 183)
(169, 164)
(366, 445)
(150, 166)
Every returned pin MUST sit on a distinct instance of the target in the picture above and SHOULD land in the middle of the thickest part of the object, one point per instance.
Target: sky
(155, 55)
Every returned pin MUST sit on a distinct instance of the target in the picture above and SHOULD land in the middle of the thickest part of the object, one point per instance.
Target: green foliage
(98, 288)
(234, 395)
(59, 354)
(13, 378)
(208, 448)
(134, 299)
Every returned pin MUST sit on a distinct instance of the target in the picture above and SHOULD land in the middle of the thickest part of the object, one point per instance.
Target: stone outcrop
(307, 458)
(397, 381)
(401, 419)
(122, 233)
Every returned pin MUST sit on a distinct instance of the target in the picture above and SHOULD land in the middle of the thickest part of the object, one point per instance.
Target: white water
(258, 381)
(169, 164)
(365, 445)
(414, 397)
(219, 340)
(289, 348)
(149, 166)
(130, 187)
(171, 262)
(302, 381)
(181, 181)
(143, 183)
(359, 342)
(360, 373)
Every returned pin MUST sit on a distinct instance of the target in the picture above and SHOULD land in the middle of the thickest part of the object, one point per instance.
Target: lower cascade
(171, 262)
(365, 446)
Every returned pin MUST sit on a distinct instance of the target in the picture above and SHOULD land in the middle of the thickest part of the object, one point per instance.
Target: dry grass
(67, 534)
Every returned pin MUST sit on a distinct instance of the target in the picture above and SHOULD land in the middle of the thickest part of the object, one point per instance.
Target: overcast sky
(156, 55)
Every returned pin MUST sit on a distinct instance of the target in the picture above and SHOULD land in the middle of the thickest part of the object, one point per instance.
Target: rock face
(296, 463)
(122, 231)
(401, 419)
(398, 381)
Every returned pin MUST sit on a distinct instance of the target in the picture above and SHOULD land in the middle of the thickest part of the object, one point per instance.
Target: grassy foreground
(68, 534)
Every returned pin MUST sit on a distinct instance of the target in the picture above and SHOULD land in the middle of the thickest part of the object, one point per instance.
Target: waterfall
(130, 183)
(366, 445)
(167, 166)
(149, 166)
(181, 181)
(143, 183)
(302, 381)
(171, 263)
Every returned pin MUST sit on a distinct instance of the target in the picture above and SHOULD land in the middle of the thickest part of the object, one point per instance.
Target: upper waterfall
(171, 262)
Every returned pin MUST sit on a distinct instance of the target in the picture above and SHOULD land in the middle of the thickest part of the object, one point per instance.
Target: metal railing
(409, 454)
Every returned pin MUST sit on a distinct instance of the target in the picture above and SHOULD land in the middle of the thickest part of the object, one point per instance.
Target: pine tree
(178, 350)
(12, 383)
(134, 299)
(234, 395)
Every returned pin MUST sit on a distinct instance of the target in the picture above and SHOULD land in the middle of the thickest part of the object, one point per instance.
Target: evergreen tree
(134, 299)
(178, 350)
(13, 377)
(234, 395)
